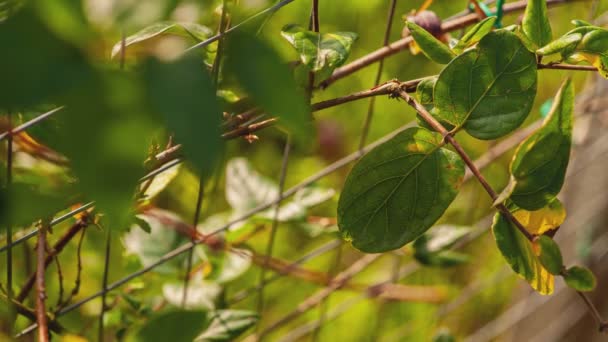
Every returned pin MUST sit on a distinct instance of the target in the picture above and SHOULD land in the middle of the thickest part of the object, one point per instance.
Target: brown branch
(30, 314)
(339, 281)
(560, 66)
(602, 325)
(426, 116)
(43, 329)
(403, 43)
(249, 129)
(57, 248)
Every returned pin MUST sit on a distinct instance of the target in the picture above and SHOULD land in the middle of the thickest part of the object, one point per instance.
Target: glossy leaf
(519, 252)
(562, 45)
(319, 51)
(398, 190)
(489, 90)
(434, 49)
(269, 81)
(173, 325)
(194, 120)
(536, 24)
(580, 278)
(475, 34)
(539, 165)
(189, 30)
(227, 325)
(550, 256)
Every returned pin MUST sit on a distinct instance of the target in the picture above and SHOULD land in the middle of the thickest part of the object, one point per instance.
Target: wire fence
(339, 278)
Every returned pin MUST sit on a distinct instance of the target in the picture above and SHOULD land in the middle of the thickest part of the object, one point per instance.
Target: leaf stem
(41, 319)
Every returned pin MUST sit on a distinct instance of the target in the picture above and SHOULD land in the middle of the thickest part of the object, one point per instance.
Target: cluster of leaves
(108, 122)
(394, 194)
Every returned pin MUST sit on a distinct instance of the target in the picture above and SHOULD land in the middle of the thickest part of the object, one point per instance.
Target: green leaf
(143, 224)
(536, 24)
(488, 90)
(174, 325)
(189, 30)
(269, 81)
(161, 239)
(318, 51)
(539, 165)
(201, 294)
(39, 66)
(475, 34)
(183, 92)
(227, 325)
(246, 188)
(519, 252)
(160, 182)
(550, 256)
(434, 49)
(398, 190)
(432, 248)
(562, 45)
(580, 279)
(594, 48)
(424, 92)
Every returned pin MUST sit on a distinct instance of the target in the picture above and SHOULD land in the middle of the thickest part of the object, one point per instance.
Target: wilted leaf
(183, 92)
(475, 34)
(580, 278)
(488, 90)
(319, 51)
(539, 165)
(536, 24)
(519, 252)
(550, 256)
(160, 182)
(270, 83)
(173, 325)
(227, 325)
(189, 30)
(434, 49)
(398, 190)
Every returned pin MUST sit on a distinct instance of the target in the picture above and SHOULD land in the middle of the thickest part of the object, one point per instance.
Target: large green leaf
(519, 252)
(539, 165)
(183, 92)
(434, 49)
(398, 190)
(488, 90)
(269, 81)
(536, 24)
(318, 51)
(475, 34)
(173, 325)
(189, 30)
(227, 325)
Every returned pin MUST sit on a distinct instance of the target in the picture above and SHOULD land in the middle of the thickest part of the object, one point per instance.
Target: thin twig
(104, 284)
(339, 281)
(372, 101)
(403, 43)
(43, 329)
(57, 248)
(9, 226)
(602, 325)
(560, 66)
(275, 225)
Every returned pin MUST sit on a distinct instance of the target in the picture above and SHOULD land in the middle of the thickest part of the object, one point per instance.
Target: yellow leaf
(540, 221)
